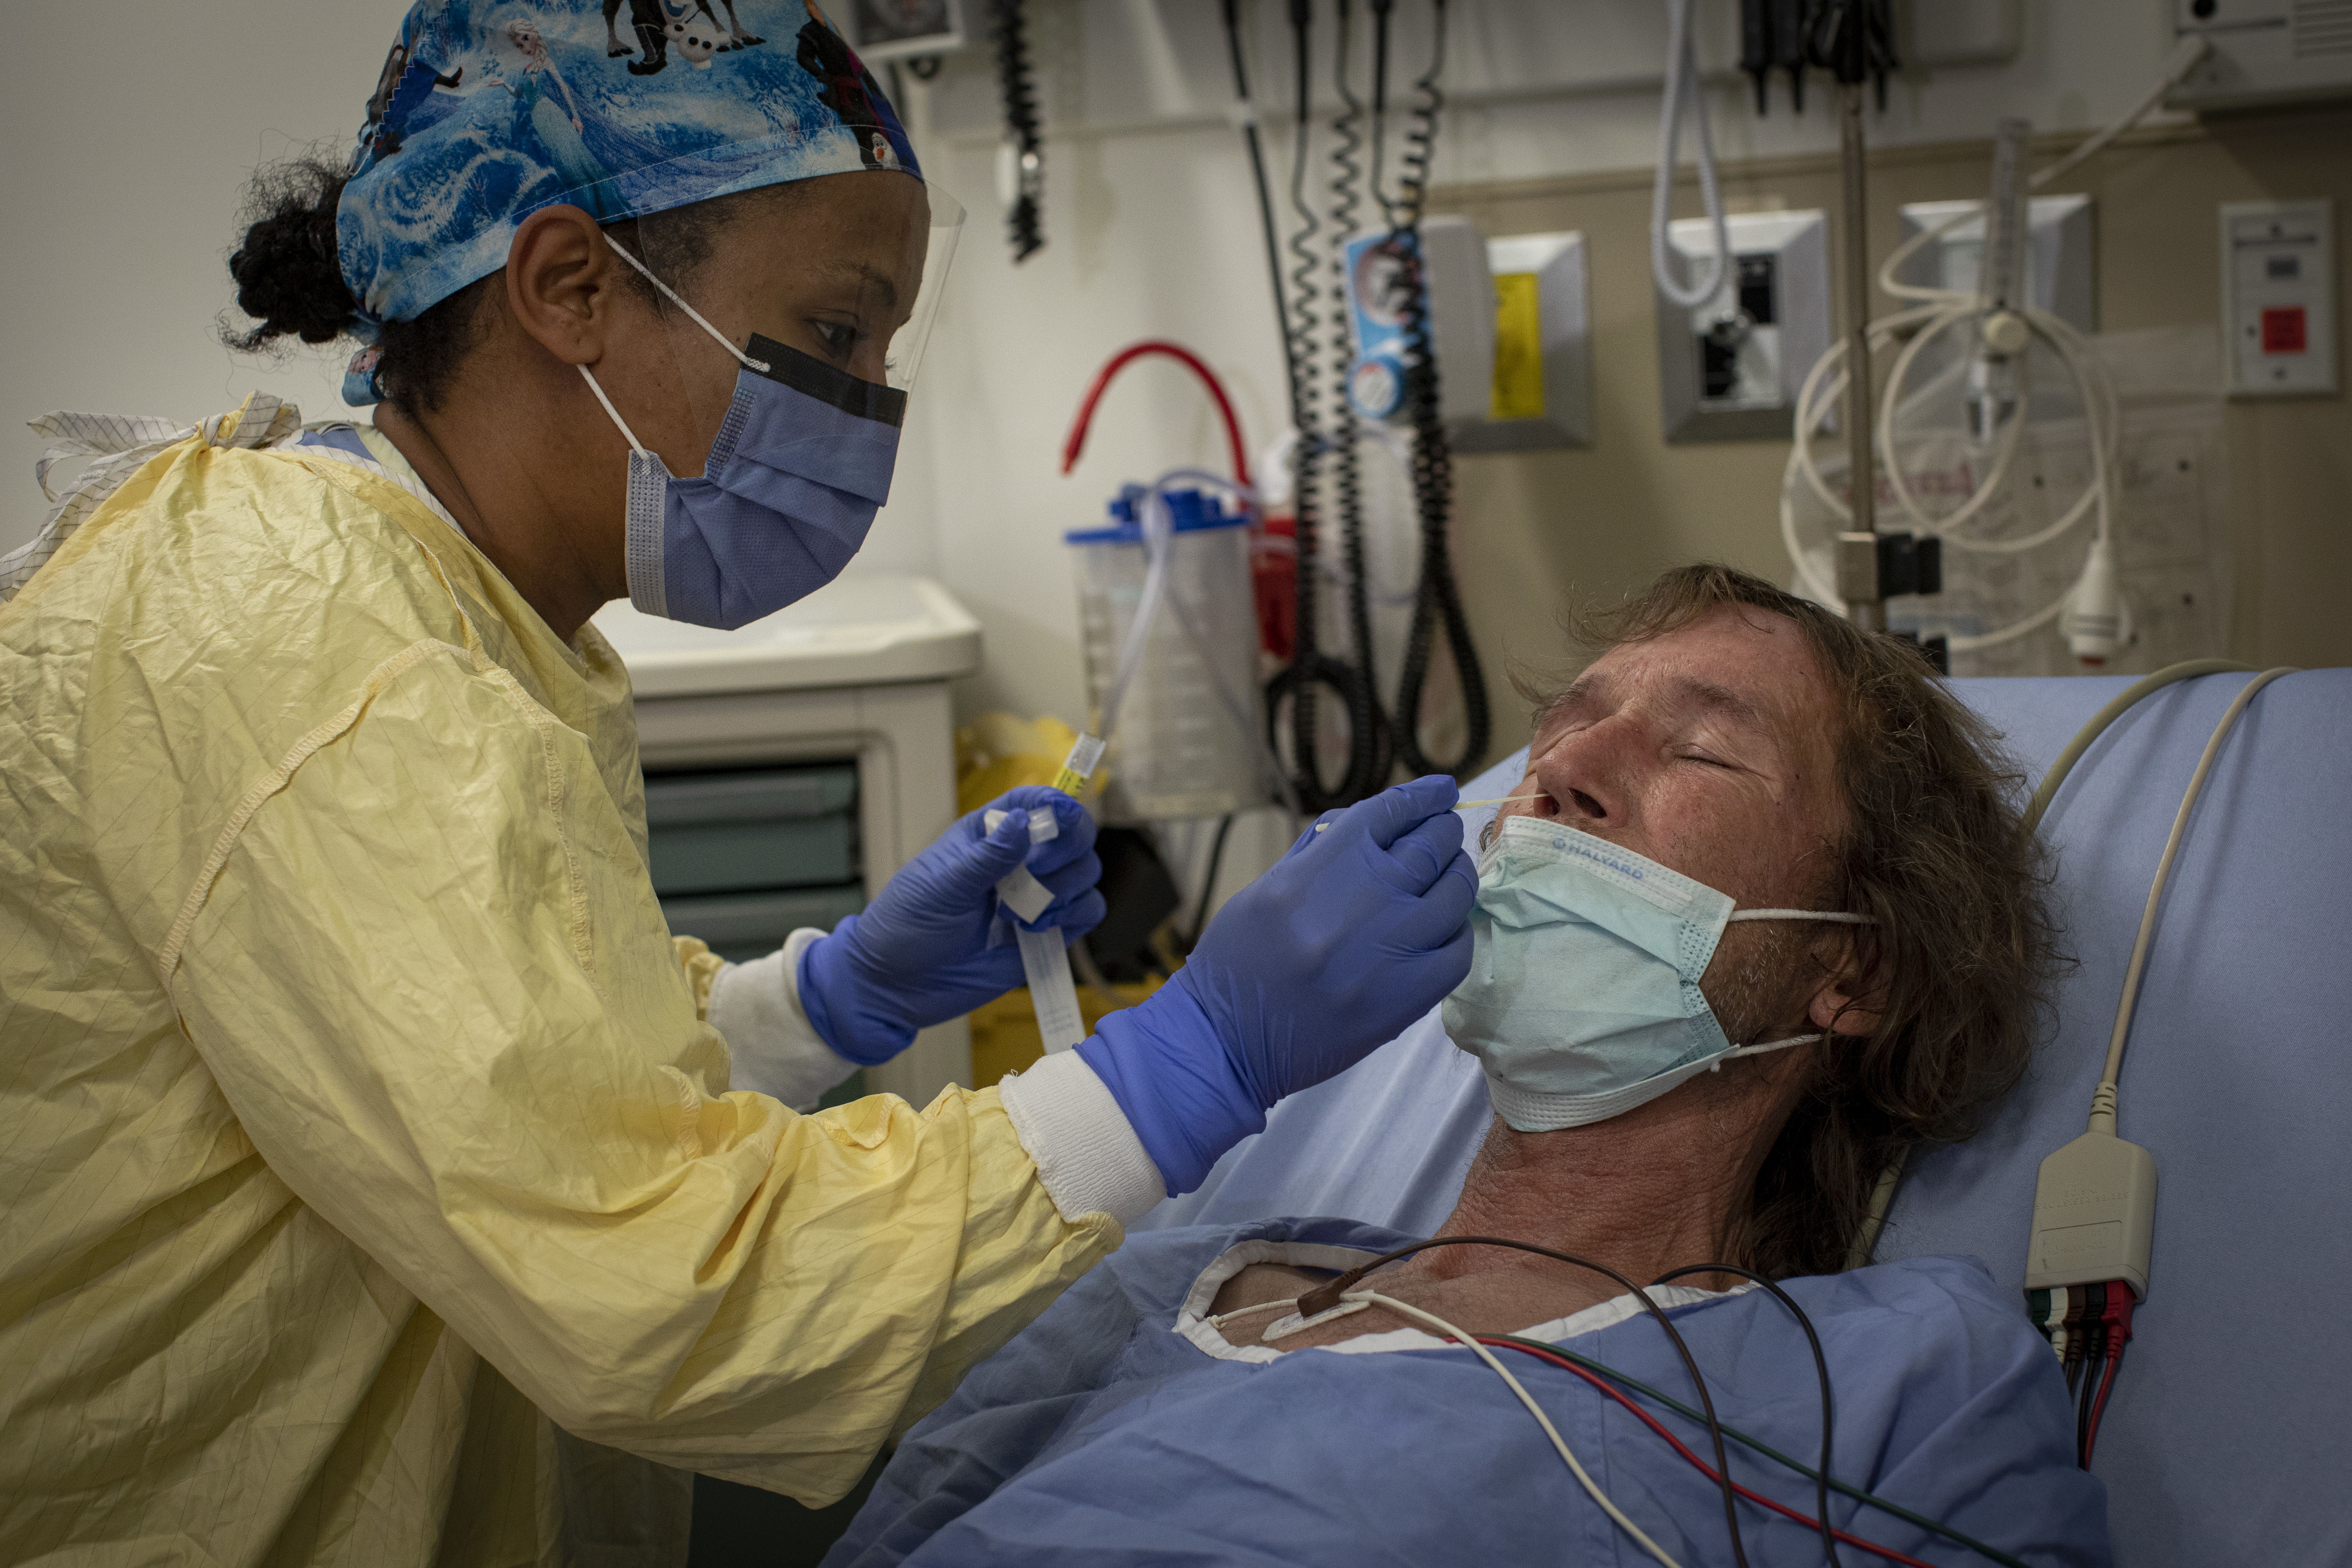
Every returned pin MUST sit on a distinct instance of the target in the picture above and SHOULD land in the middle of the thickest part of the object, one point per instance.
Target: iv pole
(1851, 38)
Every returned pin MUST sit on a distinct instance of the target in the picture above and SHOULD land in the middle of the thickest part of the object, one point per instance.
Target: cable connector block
(2094, 1215)
(1857, 567)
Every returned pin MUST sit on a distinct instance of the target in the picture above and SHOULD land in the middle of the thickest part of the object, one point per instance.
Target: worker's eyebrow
(864, 273)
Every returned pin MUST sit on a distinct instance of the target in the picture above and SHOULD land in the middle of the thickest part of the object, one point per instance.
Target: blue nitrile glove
(1355, 932)
(922, 953)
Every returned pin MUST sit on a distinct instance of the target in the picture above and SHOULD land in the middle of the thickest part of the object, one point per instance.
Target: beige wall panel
(1536, 531)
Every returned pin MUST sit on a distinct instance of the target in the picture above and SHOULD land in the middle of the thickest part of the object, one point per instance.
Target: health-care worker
(372, 1156)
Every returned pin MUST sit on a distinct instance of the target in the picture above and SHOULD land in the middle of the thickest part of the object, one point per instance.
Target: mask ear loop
(1738, 1051)
(613, 414)
(1839, 918)
(671, 295)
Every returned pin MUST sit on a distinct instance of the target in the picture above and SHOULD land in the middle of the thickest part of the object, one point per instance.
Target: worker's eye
(1701, 757)
(836, 338)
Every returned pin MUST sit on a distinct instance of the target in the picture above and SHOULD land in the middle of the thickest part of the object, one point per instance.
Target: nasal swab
(1464, 804)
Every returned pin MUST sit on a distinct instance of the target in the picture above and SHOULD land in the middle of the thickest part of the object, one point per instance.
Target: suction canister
(1182, 745)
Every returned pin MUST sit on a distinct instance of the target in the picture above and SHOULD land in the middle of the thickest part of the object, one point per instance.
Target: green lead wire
(1685, 1411)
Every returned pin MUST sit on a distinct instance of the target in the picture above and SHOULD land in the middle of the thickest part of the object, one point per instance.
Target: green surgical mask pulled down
(1582, 1000)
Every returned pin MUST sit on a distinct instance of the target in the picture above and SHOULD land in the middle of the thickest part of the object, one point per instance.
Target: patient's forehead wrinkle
(1712, 697)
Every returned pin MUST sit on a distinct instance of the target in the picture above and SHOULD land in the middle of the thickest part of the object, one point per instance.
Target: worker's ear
(564, 283)
(1836, 1007)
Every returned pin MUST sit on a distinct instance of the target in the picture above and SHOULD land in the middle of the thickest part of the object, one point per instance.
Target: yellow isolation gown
(355, 1106)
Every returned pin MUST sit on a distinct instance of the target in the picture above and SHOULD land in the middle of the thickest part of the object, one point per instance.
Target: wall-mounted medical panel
(1729, 368)
(2278, 299)
(1542, 384)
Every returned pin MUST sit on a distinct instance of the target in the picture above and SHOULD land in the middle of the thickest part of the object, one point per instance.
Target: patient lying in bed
(1731, 753)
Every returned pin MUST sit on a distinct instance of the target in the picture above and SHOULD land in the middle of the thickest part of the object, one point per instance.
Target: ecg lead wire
(1567, 1455)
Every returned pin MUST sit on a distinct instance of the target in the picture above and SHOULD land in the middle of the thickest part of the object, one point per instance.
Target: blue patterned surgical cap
(487, 110)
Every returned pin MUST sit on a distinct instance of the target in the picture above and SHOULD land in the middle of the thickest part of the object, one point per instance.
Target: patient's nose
(1578, 775)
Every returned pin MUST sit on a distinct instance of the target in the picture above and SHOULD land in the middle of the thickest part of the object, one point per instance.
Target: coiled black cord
(1369, 760)
(1026, 220)
(1438, 600)
(1310, 667)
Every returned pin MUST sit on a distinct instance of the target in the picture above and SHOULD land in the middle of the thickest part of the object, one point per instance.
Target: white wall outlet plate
(1542, 386)
(2278, 299)
(1729, 370)
(2061, 266)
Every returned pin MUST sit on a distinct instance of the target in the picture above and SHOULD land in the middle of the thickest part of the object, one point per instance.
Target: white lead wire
(1550, 1431)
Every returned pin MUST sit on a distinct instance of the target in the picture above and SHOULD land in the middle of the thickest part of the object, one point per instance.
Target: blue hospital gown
(1099, 1436)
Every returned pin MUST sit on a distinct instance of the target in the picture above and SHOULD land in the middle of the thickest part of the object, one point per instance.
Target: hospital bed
(2231, 1421)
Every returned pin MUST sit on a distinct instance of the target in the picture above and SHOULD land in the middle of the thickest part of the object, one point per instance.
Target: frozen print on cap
(486, 110)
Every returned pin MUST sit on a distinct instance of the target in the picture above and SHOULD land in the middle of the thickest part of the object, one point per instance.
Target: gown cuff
(1088, 1155)
(775, 1050)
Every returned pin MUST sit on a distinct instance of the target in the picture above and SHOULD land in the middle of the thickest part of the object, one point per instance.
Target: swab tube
(1044, 958)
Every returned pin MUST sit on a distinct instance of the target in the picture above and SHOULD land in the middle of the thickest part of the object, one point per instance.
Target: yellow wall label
(1519, 348)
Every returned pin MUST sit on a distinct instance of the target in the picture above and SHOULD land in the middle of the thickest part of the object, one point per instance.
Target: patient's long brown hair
(1960, 964)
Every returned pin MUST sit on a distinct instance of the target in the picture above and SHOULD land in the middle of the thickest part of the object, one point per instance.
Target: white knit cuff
(1088, 1155)
(776, 1050)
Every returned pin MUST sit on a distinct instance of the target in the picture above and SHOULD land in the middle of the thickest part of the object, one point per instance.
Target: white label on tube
(1043, 958)
(1023, 893)
(1051, 990)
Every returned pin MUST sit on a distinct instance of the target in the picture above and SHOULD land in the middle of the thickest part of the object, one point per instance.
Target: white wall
(121, 186)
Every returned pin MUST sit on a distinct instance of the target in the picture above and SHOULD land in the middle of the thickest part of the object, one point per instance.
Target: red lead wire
(1605, 1387)
(1119, 361)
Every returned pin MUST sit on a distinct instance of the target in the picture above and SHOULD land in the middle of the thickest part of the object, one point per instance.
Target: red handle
(1119, 361)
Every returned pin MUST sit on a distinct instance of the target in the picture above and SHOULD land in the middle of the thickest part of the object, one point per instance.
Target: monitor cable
(1025, 217)
(1346, 459)
(1326, 1297)
(1310, 668)
(1438, 603)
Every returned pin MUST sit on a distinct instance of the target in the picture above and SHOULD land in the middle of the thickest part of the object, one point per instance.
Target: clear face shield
(795, 321)
(846, 269)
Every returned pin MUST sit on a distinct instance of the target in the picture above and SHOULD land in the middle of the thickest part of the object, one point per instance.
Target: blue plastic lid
(1191, 511)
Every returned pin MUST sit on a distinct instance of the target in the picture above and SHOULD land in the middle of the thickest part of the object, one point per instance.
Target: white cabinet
(857, 673)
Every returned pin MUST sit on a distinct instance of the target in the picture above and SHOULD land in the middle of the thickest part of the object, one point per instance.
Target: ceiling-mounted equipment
(910, 30)
(2263, 51)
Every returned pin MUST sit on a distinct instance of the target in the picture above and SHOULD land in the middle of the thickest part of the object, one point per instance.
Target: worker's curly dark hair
(290, 280)
(1961, 963)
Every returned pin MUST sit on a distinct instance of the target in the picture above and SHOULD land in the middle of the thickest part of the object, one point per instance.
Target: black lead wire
(1025, 221)
(1309, 667)
(1265, 197)
(1325, 1296)
(1821, 1370)
(1307, 456)
(1369, 766)
(1437, 601)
